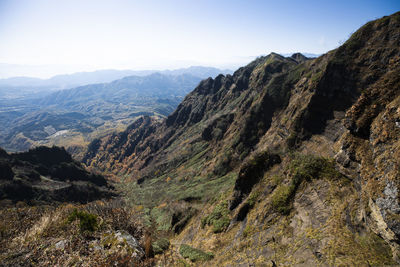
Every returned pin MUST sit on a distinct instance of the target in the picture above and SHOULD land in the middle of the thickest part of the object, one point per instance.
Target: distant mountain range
(17, 87)
(73, 117)
(124, 91)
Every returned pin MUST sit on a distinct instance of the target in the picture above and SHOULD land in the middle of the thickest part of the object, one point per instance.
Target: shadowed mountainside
(47, 175)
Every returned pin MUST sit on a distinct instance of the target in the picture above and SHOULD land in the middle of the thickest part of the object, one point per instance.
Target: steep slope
(295, 161)
(207, 114)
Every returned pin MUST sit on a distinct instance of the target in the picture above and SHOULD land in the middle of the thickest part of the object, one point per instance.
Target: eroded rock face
(385, 212)
(389, 200)
(370, 147)
(380, 226)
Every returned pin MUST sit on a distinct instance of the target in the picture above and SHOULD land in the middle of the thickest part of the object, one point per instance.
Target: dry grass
(43, 236)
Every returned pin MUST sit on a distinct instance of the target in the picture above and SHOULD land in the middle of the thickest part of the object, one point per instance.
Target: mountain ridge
(289, 161)
(257, 138)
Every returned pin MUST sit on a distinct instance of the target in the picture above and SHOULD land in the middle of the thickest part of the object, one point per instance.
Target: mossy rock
(194, 254)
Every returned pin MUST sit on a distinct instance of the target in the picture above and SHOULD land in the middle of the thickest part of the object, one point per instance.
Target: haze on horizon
(42, 38)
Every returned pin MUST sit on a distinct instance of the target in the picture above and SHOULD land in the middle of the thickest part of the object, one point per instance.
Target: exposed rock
(61, 244)
(123, 243)
(381, 227)
(390, 199)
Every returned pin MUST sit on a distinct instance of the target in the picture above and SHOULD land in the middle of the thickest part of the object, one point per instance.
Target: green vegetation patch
(282, 198)
(197, 188)
(303, 168)
(249, 230)
(218, 218)
(194, 254)
(160, 245)
(87, 221)
(308, 167)
(162, 218)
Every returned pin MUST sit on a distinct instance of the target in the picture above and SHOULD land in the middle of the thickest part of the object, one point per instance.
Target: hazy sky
(75, 35)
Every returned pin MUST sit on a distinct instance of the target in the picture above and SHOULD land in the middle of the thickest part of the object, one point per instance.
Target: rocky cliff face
(303, 152)
(208, 115)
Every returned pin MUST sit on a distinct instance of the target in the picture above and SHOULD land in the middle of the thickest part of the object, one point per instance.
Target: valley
(288, 161)
(73, 117)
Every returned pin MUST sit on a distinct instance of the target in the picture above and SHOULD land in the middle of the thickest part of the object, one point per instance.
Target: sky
(65, 36)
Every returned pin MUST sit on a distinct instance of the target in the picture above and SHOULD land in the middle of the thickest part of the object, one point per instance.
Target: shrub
(277, 180)
(248, 230)
(162, 218)
(194, 254)
(221, 224)
(87, 221)
(160, 245)
(218, 218)
(308, 167)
